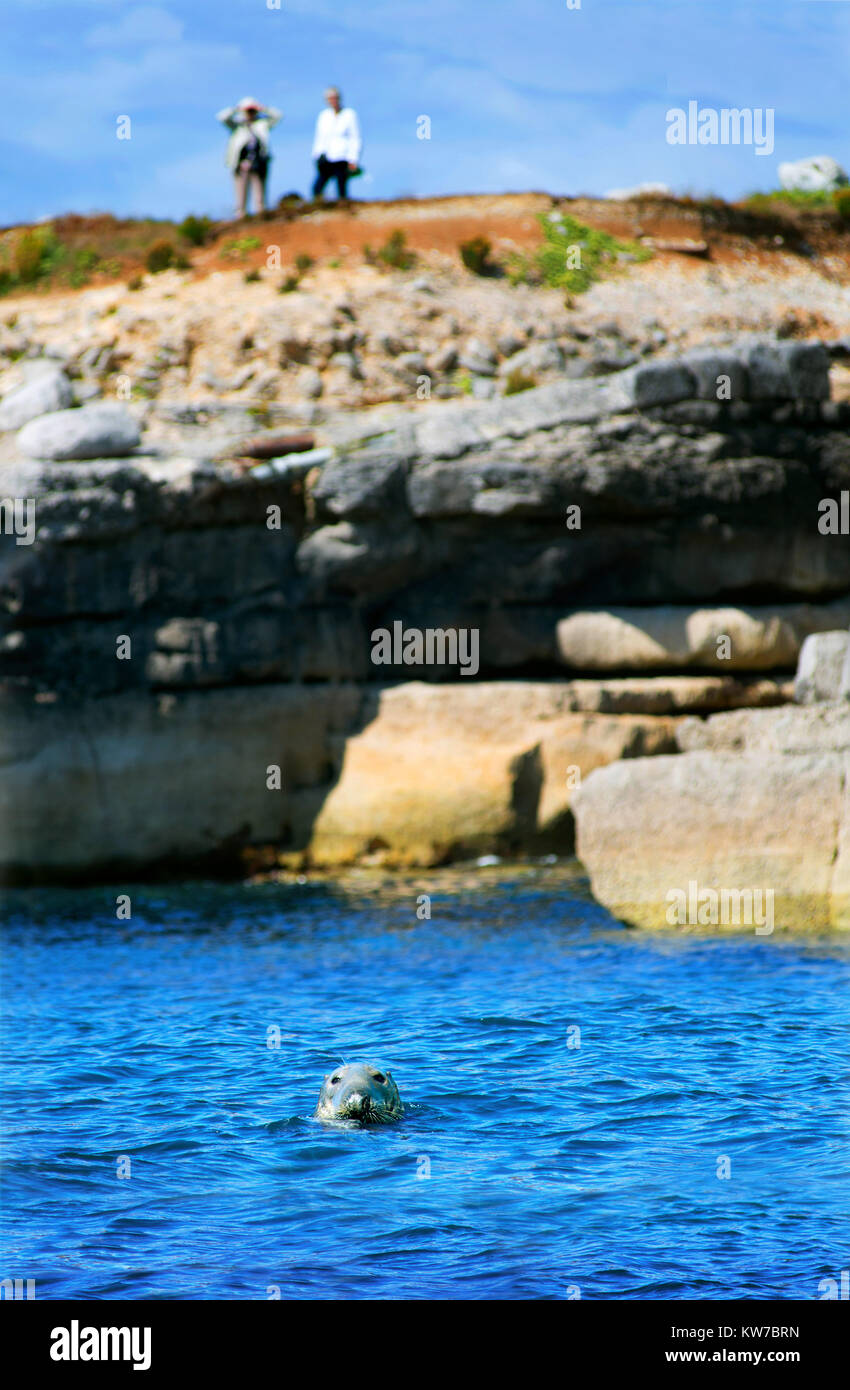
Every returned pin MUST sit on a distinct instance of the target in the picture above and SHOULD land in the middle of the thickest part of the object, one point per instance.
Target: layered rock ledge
(628, 550)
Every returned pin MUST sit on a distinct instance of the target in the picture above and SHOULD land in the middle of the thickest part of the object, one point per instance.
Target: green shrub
(574, 255)
(303, 262)
(395, 252)
(251, 276)
(5, 280)
(195, 230)
(517, 381)
(237, 248)
(28, 257)
(841, 198)
(160, 256)
(135, 282)
(83, 261)
(794, 197)
(523, 271)
(288, 284)
(475, 255)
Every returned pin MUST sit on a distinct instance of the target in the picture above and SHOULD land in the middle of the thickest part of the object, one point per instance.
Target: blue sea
(591, 1111)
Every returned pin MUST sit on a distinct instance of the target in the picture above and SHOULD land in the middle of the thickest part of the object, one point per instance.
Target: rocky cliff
(190, 650)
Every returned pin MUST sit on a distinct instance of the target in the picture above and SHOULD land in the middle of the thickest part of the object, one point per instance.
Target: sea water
(591, 1112)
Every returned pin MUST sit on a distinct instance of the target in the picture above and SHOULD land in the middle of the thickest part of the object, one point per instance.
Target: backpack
(254, 155)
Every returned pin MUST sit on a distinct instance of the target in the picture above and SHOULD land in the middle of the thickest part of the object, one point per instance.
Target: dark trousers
(331, 169)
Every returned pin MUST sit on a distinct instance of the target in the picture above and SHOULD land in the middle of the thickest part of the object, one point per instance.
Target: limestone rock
(400, 793)
(819, 670)
(707, 367)
(537, 357)
(478, 357)
(668, 637)
(47, 390)
(135, 779)
(648, 828)
(820, 728)
(93, 431)
(657, 383)
(818, 173)
(444, 359)
(787, 370)
(309, 383)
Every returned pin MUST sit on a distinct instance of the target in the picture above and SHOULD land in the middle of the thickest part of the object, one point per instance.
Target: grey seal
(359, 1093)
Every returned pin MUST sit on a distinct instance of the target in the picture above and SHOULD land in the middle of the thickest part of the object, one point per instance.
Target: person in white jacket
(248, 153)
(336, 144)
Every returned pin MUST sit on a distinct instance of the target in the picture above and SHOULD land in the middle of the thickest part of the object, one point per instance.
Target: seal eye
(379, 1077)
(334, 1080)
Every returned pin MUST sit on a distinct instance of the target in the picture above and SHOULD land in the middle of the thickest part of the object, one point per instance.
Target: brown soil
(735, 235)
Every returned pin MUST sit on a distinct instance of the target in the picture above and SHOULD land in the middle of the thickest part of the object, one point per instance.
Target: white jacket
(338, 136)
(235, 121)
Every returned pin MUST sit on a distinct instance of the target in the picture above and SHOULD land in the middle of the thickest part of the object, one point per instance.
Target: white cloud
(145, 25)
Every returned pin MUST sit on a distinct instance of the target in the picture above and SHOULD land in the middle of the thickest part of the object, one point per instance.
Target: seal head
(361, 1094)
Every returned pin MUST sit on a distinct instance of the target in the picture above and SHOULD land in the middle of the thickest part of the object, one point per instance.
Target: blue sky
(521, 94)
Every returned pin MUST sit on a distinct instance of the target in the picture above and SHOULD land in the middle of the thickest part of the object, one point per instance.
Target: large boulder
(752, 836)
(819, 669)
(757, 800)
(46, 391)
(820, 173)
(106, 430)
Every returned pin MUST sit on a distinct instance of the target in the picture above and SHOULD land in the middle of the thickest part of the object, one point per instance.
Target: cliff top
(315, 309)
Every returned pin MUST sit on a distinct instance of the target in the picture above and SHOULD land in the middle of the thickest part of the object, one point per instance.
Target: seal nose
(360, 1103)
